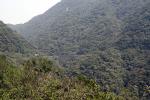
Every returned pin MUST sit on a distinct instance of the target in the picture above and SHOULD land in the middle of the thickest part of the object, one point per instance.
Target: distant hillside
(76, 25)
(108, 40)
(10, 41)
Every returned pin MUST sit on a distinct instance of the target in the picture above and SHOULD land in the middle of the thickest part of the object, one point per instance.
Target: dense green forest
(11, 41)
(40, 79)
(100, 51)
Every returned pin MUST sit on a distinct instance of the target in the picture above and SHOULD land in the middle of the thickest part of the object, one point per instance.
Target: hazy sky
(20, 11)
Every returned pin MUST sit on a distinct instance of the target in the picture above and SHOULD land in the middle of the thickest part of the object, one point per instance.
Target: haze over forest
(78, 50)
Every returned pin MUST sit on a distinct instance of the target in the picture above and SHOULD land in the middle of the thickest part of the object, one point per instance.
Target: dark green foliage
(106, 40)
(40, 64)
(27, 83)
(10, 41)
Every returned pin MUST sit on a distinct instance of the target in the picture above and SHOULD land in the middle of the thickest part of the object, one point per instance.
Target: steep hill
(74, 26)
(107, 40)
(10, 41)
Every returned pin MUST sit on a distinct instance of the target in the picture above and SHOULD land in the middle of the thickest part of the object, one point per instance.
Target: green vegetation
(39, 79)
(12, 42)
(105, 40)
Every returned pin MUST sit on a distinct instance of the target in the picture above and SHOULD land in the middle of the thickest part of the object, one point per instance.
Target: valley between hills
(78, 50)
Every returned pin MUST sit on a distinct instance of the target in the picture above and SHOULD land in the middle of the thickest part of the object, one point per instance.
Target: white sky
(20, 11)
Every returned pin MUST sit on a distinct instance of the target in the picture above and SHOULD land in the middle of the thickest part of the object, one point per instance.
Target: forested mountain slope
(108, 40)
(78, 27)
(77, 21)
(10, 41)
(134, 45)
